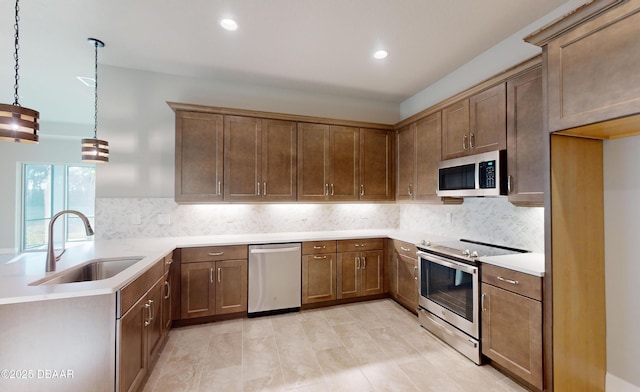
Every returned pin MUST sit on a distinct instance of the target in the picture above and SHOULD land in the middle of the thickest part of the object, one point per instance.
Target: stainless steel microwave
(474, 175)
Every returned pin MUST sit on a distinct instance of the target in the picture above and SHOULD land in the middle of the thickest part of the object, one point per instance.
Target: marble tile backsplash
(490, 220)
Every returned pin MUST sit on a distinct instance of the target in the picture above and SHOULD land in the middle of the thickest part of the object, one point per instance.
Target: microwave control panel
(487, 174)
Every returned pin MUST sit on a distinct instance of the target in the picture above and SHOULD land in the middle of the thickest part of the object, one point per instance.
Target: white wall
(622, 267)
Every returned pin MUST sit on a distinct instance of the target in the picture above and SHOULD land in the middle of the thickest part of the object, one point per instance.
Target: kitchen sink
(91, 271)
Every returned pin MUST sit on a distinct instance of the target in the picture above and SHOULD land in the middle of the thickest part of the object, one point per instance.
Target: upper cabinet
(259, 159)
(418, 154)
(376, 164)
(198, 168)
(476, 124)
(525, 144)
(592, 67)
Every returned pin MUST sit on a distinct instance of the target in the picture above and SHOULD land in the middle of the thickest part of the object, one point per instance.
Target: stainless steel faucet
(51, 255)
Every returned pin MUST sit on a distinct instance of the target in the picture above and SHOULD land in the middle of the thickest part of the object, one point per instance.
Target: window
(47, 189)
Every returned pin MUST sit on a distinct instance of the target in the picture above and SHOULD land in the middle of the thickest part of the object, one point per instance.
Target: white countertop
(529, 263)
(25, 268)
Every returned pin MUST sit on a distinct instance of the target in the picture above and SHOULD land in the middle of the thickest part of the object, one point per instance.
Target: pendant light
(95, 150)
(18, 124)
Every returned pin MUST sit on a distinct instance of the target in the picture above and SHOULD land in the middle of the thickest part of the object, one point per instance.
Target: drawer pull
(513, 282)
(360, 245)
(216, 253)
(319, 247)
(405, 249)
(320, 257)
(168, 262)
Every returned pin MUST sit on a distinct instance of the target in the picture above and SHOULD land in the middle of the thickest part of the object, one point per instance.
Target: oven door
(449, 290)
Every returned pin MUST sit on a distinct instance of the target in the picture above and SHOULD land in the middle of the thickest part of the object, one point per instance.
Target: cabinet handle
(409, 191)
(211, 275)
(218, 188)
(464, 142)
(404, 249)
(219, 274)
(326, 189)
(148, 320)
(482, 302)
(169, 262)
(168, 286)
(258, 187)
(152, 310)
(319, 247)
(472, 137)
(331, 189)
(364, 262)
(415, 272)
(319, 257)
(215, 253)
(509, 184)
(361, 190)
(362, 245)
(264, 188)
(357, 263)
(513, 282)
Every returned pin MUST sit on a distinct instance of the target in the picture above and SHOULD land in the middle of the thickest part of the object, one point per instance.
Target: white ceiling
(315, 45)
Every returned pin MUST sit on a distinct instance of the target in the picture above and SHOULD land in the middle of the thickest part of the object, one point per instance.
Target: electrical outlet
(449, 218)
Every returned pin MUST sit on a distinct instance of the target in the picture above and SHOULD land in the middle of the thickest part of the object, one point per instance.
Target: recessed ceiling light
(89, 82)
(380, 54)
(229, 24)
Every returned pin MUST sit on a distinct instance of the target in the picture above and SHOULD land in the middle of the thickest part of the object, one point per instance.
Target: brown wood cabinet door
(428, 135)
(198, 155)
(376, 164)
(344, 163)
(154, 329)
(319, 278)
(231, 286)
(348, 274)
(488, 129)
(242, 159)
(133, 347)
(525, 144)
(512, 333)
(197, 289)
(313, 162)
(279, 151)
(392, 270)
(405, 162)
(407, 275)
(372, 268)
(455, 130)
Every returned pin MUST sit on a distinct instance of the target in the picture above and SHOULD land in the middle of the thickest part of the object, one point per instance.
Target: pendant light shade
(18, 124)
(95, 150)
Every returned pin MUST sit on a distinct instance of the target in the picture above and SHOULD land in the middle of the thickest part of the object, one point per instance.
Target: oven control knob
(474, 254)
(466, 252)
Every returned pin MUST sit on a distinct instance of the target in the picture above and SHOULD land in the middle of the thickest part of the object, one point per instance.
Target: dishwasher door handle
(274, 250)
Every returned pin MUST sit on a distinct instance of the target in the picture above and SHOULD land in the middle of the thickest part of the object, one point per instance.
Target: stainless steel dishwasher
(275, 278)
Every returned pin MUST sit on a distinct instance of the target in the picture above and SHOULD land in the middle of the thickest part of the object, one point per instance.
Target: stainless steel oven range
(449, 291)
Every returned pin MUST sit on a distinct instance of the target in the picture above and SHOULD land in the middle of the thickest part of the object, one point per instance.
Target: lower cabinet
(361, 272)
(512, 322)
(319, 271)
(217, 287)
(403, 274)
(167, 311)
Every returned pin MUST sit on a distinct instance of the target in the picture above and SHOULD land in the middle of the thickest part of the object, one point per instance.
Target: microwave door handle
(477, 175)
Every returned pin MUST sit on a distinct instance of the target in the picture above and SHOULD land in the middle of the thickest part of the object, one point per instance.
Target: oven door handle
(448, 263)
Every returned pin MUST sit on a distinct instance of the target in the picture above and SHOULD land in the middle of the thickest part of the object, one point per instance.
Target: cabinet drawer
(360, 245)
(131, 293)
(514, 281)
(315, 247)
(405, 249)
(214, 253)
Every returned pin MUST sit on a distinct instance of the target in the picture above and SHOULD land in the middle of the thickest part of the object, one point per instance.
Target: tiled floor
(368, 346)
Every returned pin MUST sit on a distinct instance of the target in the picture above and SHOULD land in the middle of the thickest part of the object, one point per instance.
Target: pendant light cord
(95, 116)
(15, 55)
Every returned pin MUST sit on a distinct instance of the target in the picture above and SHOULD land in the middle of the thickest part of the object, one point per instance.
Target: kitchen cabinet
(376, 166)
(418, 147)
(259, 159)
(360, 267)
(525, 144)
(167, 306)
(139, 328)
(319, 269)
(403, 274)
(198, 157)
(592, 67)
(213, 281)
(476, 124)
(328, 162)
(511, 317)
